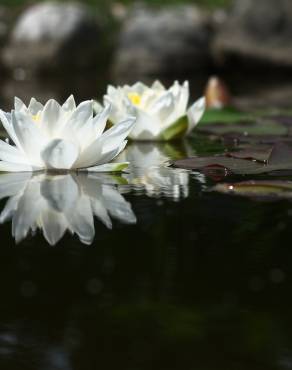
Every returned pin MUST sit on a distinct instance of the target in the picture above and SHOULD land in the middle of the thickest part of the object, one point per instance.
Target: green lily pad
(228, 115)
(279, 158)
(269, 190)
(258, 153)
(259, 128)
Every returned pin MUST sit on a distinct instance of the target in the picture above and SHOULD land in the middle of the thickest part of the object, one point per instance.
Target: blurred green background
(206, 3)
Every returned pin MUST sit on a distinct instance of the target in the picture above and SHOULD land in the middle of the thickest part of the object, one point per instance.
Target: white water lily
(162, 114)
(67, 137)
(59, 203)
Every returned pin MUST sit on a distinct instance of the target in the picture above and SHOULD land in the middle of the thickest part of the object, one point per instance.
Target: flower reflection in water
(149, 173)
(59, 203)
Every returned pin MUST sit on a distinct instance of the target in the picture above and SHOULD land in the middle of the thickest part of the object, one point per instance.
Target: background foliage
(103, 3)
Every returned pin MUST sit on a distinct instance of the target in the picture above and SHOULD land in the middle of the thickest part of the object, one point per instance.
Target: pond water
(168, 276)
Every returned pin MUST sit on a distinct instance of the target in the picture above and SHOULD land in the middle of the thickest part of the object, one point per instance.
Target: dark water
(176, 277)
(201, 281)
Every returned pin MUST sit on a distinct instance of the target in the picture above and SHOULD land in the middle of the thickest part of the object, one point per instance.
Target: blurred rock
(51, 36)
(257, 31)
(171, 40)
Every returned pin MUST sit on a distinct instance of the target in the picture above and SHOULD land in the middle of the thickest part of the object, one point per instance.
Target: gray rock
(51, 36)
(258, 30)
(171, 40)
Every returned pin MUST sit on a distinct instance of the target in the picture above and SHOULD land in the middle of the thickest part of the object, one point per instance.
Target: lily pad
(258, 153)
(229, 164)
(230, 124)
(258, 128)
(279, 158)
(267, 190)
(228, 115)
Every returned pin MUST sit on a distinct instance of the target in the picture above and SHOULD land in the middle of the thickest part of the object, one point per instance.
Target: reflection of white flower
(161, 114)
(61, 137)
(55, 204)
(168, 182)
(149, 173)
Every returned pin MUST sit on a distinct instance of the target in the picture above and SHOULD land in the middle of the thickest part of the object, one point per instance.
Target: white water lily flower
(59, 203)
(54, 137)
(162, 114)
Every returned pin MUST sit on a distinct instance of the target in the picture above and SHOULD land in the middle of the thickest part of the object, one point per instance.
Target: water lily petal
(97, 107)
(7, 124)
(146, 128)
(60, 154)
(106, 157)
(111, 90)
(80, 219)
(109, 167)
(158, 86)
(109, 142)
(35, 107)
(80, 116)
(15, 167)
(183, 99)
(165, 108)
(112, 154)
(119, 110)
(50, 117)
(69, 104)
(90, 187)
(101, 212)
(19, 104)
(30, 138)
(13, 183)
(195, 113)
(10, 208)
(28, 211)
(138, 87)
(100, 120)
(54, 226)
(115, 136)
(61, 192)
(12, 154)
(117, 206)
(93, 128)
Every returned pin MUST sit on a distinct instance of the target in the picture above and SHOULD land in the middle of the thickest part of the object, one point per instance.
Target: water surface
(169, 276)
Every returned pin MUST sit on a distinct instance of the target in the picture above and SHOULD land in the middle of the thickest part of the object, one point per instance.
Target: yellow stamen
(36, 117)
(135, 98)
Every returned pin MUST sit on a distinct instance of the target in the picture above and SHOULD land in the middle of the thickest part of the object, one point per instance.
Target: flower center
(135, 98)
(36, 117)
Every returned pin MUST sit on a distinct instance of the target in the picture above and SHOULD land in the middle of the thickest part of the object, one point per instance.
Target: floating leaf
(231, 138)
(228, 115)
(259, 153)
(281, 154)
(259, 128)
(232, 165)
(280, 158)
(283, 119)
(270, 190)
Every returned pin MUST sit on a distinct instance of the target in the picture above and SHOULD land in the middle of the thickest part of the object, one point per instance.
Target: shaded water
(176, 277)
